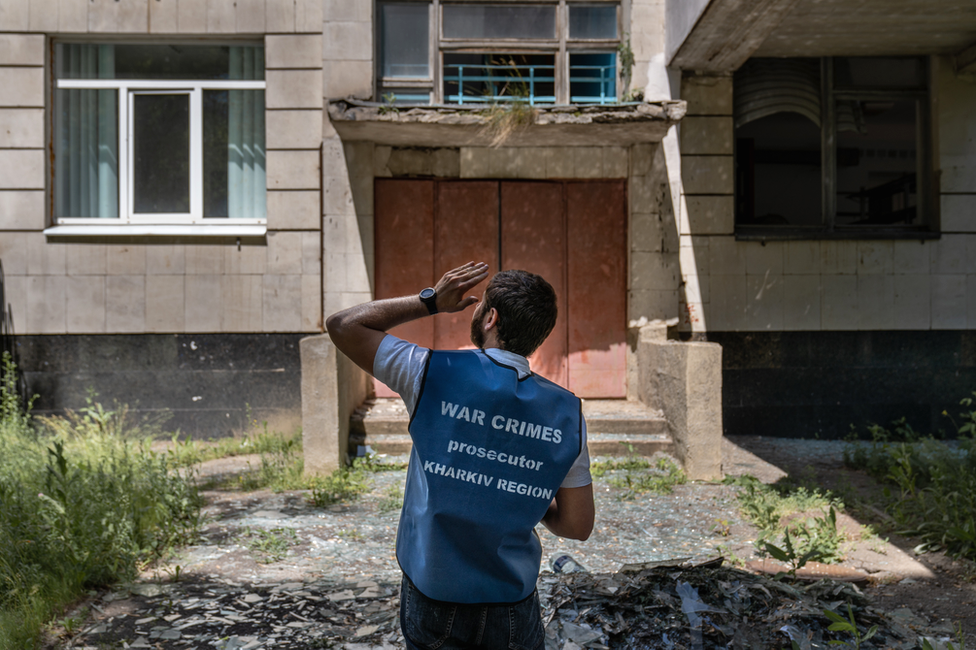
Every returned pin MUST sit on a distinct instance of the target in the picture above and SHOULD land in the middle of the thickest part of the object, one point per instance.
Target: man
(496, 450)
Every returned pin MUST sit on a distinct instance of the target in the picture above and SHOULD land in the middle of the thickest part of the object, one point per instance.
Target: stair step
(614, 427)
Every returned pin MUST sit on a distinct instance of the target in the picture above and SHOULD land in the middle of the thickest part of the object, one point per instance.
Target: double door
(573, 233)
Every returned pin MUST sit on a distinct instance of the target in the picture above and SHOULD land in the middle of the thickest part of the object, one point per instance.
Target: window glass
(879, 72)
(85, 61)
(778, 162)
(499, 77)
(593, 21)
(778, 179)
(152, 61)
(86, 153)
(161, 153)
(404, 39)
(592, 77)
(233, 154)
(876, 162)
(499, 21)
(395, 95)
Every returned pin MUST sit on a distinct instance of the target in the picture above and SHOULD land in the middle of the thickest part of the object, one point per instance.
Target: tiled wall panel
(85, 286)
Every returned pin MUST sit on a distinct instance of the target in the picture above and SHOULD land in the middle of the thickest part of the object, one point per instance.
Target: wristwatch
(429, 297)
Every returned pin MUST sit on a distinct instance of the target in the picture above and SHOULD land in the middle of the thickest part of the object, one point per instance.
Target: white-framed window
(438, 51)
(159, 134)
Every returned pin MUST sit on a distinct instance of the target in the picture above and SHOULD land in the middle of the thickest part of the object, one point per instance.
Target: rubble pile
(680, 606)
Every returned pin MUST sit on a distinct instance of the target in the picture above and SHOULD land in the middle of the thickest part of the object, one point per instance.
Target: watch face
(427, 294)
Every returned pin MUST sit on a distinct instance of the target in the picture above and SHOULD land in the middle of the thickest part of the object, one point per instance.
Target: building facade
(189, 187)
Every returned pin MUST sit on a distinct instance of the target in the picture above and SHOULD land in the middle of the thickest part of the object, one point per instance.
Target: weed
(505, 119)
(270, 546)
(627, 60)
(344, 484)
(351, 534)
(392, 499)
(389, 104)
(841, 624)
(632, 462)
(788, 554)
(772, 509)
(659, 479)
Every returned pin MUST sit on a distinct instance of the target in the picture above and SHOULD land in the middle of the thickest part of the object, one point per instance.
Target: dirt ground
(348, 549)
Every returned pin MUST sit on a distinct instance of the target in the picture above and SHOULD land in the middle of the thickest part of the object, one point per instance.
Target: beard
(477, 335)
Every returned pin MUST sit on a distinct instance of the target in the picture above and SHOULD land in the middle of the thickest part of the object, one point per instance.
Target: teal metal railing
(593, 77)
(498, 83)
(481, 83)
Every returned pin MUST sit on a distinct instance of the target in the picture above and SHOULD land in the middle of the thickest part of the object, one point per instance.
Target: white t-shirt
(400, 365)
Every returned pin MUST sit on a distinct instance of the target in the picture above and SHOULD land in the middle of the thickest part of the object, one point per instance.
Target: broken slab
(470, 125)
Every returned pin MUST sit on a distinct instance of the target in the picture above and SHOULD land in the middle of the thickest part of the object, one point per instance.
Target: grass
(635, 475)
(84, 503)
(270, 546)
(929, 485)
(186, 452)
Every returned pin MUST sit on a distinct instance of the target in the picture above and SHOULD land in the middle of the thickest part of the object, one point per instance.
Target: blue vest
(489, 453)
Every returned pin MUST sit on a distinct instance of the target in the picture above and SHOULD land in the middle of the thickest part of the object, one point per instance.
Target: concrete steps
(614, 427)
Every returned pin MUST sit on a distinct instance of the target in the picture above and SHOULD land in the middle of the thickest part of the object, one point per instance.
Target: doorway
(573, 233)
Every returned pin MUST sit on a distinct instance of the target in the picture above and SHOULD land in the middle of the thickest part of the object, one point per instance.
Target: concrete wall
(105, 286)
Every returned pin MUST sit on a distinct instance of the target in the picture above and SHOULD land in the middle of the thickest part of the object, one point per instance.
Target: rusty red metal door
(571, 233)
(597, 285)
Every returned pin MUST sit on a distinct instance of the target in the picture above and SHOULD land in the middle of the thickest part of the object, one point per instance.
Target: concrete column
(332, 388)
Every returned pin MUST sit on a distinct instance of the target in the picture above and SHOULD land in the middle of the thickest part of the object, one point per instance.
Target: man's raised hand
(453, 286)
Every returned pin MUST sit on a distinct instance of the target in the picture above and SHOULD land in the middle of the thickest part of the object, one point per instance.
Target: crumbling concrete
(684, 379)
(447, 126)
(332, 388)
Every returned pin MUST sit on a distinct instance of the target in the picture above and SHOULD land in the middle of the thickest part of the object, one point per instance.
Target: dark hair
(526, 306)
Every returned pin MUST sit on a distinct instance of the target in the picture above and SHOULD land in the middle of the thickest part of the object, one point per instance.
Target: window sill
(161, 230)
(764, 235)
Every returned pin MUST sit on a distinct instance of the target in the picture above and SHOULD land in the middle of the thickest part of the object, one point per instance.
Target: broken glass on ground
(680, 606)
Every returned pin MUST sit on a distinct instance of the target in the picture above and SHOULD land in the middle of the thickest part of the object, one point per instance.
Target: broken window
(832, 147)
(154, 133)
(463, 53)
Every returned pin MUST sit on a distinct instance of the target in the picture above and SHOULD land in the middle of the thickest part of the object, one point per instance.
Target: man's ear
(490, 319)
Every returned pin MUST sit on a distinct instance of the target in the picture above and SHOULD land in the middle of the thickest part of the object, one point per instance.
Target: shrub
(83, 504)
(930, 486)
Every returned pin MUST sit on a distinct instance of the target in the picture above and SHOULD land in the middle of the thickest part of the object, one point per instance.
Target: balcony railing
(483, 83)
(531, 83)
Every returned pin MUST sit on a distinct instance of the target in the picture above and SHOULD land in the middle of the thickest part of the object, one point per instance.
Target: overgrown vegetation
(804, 519)
(929, 485)
(84, 503)
(506, 118)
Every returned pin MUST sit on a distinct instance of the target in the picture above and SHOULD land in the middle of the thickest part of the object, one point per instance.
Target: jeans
(434, 625)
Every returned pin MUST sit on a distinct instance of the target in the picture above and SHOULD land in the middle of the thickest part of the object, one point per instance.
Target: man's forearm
(358, 331)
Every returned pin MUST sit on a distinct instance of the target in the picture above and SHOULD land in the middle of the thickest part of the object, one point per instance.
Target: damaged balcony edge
(471, 125)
